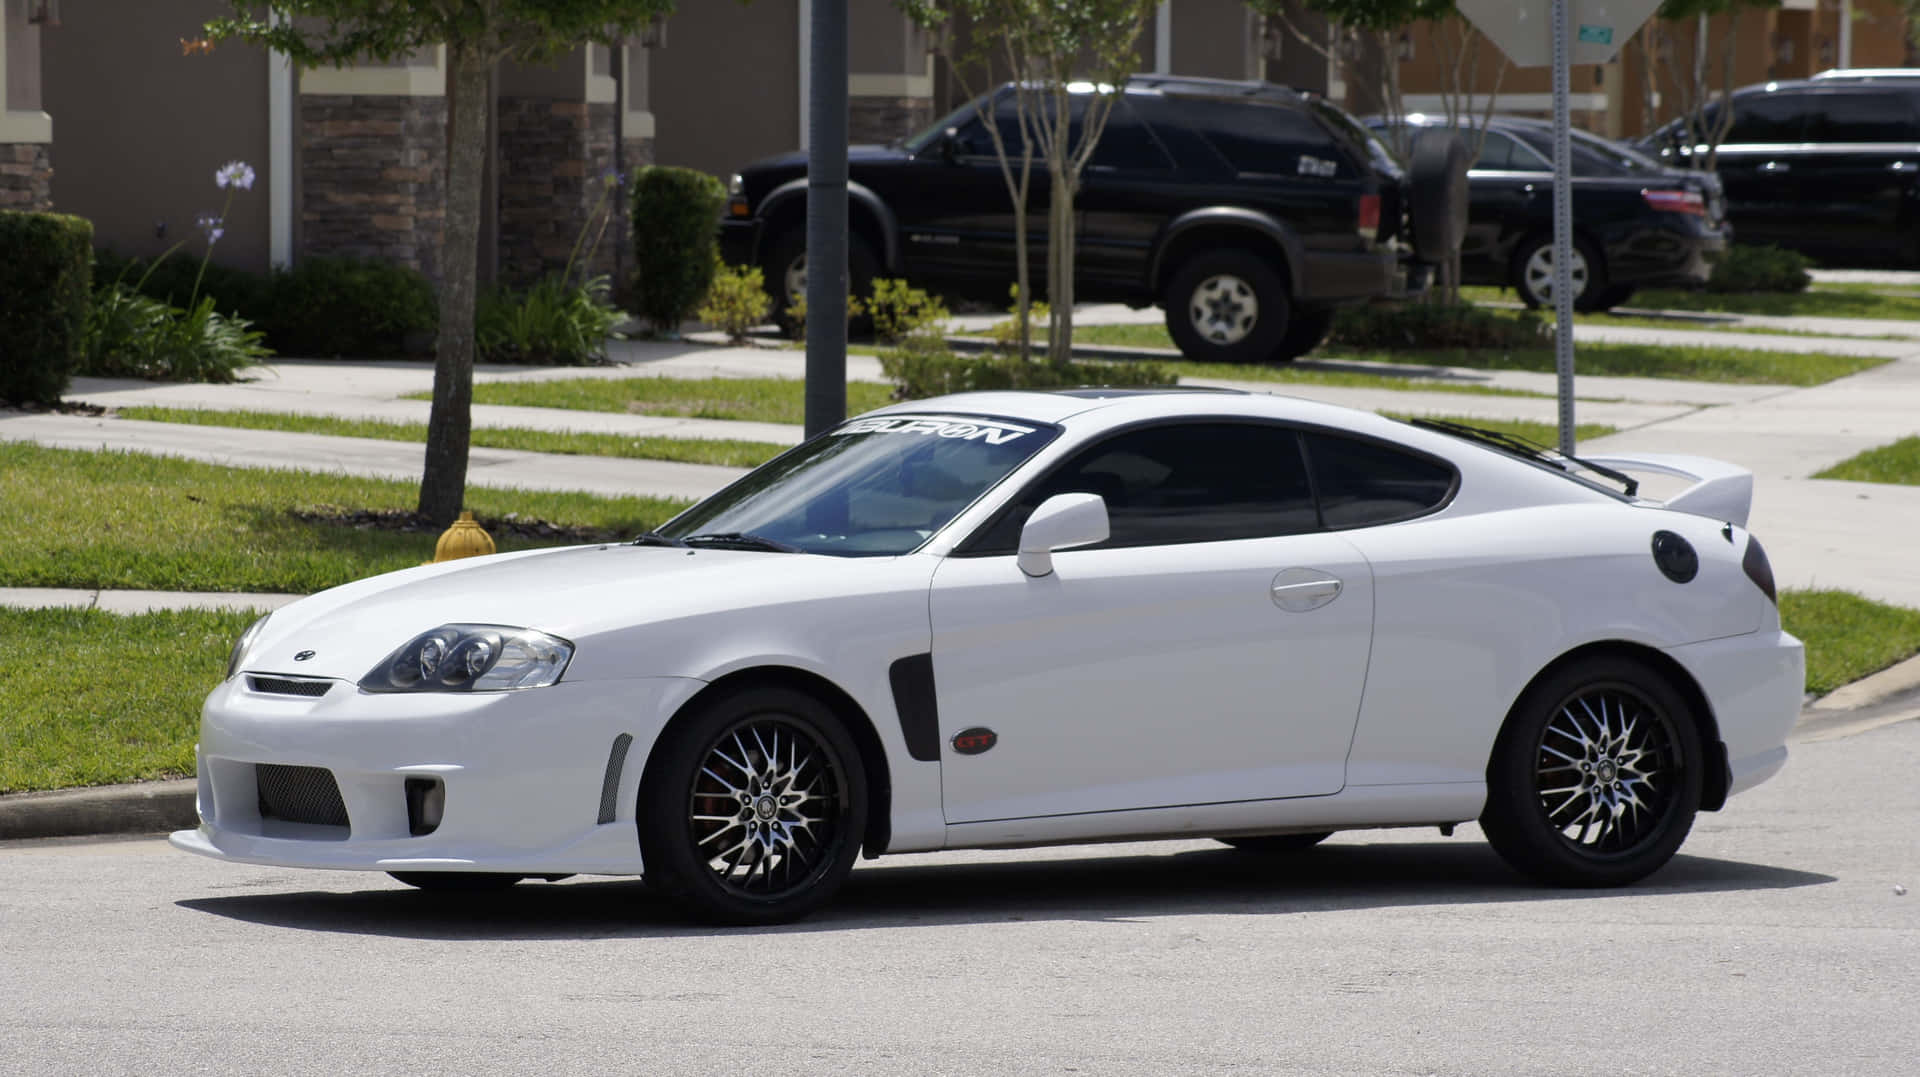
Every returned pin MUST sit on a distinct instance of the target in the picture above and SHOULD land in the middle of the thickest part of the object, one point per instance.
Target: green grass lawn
(1819, 300)
(726, 453)
(769, 400)
(1898, 463)
(65, 724)
(130, 520)
(1719, 364)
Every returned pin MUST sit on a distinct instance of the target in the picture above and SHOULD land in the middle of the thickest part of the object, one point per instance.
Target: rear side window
(1863, 117)
(1365, 482)
(1263, 137)
(1500, 153)
(1125, 143)
(1769, 117)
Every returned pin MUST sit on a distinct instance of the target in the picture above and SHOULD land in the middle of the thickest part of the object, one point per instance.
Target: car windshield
(873, 487)
(925, 136)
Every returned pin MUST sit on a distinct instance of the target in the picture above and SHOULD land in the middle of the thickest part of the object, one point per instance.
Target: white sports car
(1008, 619)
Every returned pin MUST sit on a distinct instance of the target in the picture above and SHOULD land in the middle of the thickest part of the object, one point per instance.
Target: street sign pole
(1563, 225)
(826, 387)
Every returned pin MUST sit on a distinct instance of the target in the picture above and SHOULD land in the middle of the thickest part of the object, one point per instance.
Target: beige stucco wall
(142, 128)
(1212, 38)
(725, 90)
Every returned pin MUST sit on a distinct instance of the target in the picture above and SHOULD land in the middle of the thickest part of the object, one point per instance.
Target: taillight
(1370, 215)
(1676, 202)
(1759, 569)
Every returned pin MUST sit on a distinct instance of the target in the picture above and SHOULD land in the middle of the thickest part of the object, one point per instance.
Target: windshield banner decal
(991, 431)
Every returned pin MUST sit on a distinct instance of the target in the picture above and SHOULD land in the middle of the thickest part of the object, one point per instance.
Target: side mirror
(950, 145)
(1061, 521)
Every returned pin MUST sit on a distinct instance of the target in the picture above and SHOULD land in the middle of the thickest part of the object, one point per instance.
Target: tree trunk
(1059, 263)
(443, 480)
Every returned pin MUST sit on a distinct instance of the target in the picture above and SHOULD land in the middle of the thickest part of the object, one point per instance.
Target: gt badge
(303, 656)
(974, 741)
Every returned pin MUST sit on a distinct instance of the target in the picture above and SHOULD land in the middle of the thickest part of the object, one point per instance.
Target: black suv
(1829, 165)
(1247, 210)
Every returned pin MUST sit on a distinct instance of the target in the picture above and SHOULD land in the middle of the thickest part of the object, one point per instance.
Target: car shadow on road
(1335, 877)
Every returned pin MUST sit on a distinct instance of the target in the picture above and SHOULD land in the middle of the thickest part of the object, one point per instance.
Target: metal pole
(827, 217)
(1562, 225)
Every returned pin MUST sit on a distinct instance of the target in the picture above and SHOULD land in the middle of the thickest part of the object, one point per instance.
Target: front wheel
(785, 270)
(1227, 306)
(754, 809)
(1596, 776)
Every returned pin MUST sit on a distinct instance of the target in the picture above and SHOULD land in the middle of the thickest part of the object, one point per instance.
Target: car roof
(1121, 406)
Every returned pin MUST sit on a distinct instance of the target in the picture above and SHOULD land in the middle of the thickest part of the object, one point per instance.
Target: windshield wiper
(741, 540)
(1519, 446)
(655, 538)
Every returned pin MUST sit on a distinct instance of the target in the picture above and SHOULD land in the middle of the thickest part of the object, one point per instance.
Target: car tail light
(1370, 215)
(1759, 569)
(1676, 202)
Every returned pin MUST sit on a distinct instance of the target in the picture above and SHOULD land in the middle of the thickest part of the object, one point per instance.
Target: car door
(1509, 196)
(954, 208)
(1213, 649)
(1859, 170)
(1756, 163)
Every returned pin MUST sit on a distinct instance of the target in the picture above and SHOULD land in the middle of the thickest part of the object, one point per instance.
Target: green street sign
(1597, 35)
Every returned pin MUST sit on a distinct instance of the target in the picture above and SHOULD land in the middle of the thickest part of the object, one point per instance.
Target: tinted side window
(1261, 137)
(1862, 117)
(1187, 482)
(1500, 153)
(1125, 143)
(1770, 117)
(1365, 482)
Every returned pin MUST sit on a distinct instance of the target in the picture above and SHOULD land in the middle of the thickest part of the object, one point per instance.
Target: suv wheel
(785, 270)
(1533, 274)
(1306, 330)
(1227, 307)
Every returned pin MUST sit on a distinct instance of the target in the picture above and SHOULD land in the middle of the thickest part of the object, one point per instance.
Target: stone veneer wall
(373, 177)
(883, 119)
(26, 177)
(557, 163)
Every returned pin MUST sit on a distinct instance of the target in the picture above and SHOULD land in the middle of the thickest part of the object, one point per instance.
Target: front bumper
(543, 781)
(740, 241)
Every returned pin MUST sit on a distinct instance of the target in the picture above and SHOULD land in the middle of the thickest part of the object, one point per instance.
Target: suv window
(1260, 137)
(1768, 117)
(1863, 117)
(1365, 482)
(1179, 483)
(1125, 143)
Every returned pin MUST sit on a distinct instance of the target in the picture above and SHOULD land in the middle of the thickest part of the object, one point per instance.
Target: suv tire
(1306, 330)
(785, 268)
(1228, 306)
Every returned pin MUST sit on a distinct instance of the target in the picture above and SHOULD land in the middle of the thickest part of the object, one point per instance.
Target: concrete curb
(140, 808)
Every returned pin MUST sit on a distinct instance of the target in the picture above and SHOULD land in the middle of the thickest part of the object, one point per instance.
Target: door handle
(1298, 590)
(1776, 166)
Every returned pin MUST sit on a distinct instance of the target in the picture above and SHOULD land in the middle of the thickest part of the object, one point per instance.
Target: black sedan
(1636, 222)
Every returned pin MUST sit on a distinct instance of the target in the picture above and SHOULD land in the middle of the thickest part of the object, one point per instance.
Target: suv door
(955, 211)
(1858, 173)
(1757, 161)
(1213, 649)
(1126, 197)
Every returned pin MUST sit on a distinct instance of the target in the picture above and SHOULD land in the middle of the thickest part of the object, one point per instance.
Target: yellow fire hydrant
(465, 538)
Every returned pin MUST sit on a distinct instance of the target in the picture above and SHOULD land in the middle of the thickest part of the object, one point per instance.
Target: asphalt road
(1775, 944)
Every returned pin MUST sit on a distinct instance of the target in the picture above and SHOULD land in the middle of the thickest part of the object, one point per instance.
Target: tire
(1596, 776)
(1438, 194)
(456, 882)
(1532, 274)
(1228, 306)
(1277, 843)
(785, 271)
(1306, 330)
(706, 795)
(1615, 295)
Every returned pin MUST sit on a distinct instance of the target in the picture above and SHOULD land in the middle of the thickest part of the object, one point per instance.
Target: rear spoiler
(1720, 490)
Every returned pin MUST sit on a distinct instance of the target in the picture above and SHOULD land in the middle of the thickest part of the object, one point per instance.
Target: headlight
(243, 645)
(471, 658)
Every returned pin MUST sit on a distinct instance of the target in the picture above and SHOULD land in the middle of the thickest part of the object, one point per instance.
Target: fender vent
(287, 686)
(299, 794)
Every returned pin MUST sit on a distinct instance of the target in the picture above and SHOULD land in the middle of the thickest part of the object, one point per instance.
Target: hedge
(46, 279)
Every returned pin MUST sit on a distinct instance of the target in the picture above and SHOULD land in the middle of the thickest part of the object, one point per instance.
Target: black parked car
(1637, 223)
(1829, 166)
(1245, 209)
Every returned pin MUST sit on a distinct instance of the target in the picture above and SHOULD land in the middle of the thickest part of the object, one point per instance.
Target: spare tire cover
(1438, 201)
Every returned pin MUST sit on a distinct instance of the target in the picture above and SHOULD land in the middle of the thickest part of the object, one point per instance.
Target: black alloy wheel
(1277, 843)
(1228, 306)
(1596, 776)
(754, 810)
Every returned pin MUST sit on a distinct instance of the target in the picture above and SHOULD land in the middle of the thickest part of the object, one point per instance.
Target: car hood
(797, 159)
(576, 593)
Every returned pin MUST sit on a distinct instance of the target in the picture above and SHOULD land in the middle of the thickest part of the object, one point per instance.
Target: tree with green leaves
(1046, 46)
(478, 34)
(1703, 126)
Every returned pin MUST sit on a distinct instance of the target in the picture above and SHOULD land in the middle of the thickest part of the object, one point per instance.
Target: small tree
(1700, 124)
(478, 34)
(1047, 46)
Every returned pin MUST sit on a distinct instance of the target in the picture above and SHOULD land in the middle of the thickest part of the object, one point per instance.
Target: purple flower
(214, 227)
(235, 174)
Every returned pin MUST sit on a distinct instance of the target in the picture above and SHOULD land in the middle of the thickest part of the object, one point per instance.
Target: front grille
(287, 686)
(299, 794)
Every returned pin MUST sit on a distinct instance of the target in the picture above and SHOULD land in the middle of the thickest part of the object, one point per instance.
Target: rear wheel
(1596, 777)
(1532, 273)
(754, 809)
(1228, 306)
(1306, 330)
(1277, 843)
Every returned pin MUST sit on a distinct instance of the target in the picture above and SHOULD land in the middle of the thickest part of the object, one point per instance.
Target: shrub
(236, 292)
(794, 320)
(46, 281)
(900, 311)
(1747, 268)
(130, 334)
(675, 211)
(1007, 334)
(1432, 325)
(736, 301)
(553, 323)
(327, 306)
(919, 373)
